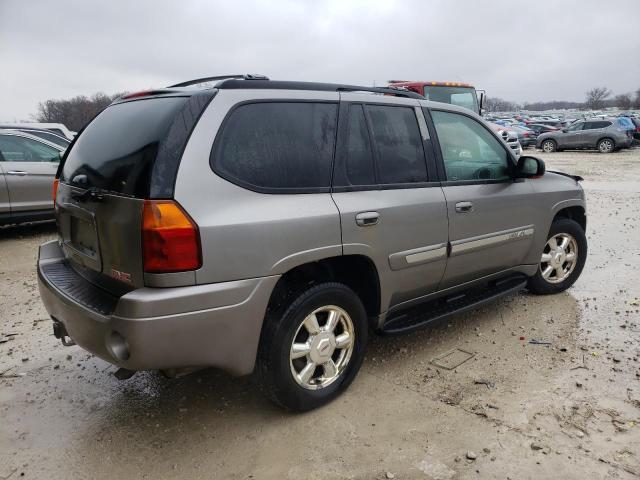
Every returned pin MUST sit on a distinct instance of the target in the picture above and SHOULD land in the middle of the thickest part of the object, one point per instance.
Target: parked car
(509, 136)
(552, 123)
(47, 135)
(603, 135)
(57, 128)
(526, 136)
(28, 166)
(636, 132)
(285, 221)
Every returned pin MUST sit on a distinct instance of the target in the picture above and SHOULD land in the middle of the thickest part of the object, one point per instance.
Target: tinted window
(398, 145)
(596, 125)
(574, 127)
(359, 160)
(277, 145)
(469, 151)
(20, 149)
(116, 151)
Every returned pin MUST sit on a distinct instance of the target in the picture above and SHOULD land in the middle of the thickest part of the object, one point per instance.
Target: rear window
(278, 146)
(117, 150)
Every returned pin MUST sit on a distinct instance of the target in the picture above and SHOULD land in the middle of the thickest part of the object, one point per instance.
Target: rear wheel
(562, 259)
(549, 146)
(311, 352)
(606, 145)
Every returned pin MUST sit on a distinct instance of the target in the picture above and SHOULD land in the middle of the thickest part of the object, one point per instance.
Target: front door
(29, 168)
(490, 215)
(390, 211)
(573, 137)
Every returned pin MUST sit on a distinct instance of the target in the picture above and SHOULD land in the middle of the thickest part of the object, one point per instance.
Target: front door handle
(17, 172)
(464, 207)
(366, 219)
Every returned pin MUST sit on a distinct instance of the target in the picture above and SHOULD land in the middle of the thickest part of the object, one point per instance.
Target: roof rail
(258, 83)
(246, 76)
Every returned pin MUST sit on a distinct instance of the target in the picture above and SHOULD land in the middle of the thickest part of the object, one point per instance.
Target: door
(5, 206)
(490, 213)
(573, 137)
(29, 168)
(390, 211)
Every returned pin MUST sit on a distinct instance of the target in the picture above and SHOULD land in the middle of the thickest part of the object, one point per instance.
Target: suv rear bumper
(214, 325)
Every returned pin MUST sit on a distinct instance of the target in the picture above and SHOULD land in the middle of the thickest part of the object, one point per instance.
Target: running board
(422, 315)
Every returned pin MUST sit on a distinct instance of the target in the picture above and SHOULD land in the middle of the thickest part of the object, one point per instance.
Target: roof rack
(264, 83)
(246, 76)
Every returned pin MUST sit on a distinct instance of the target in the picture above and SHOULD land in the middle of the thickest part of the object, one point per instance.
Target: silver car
(266, 226)
(603, 135)
(28, 165)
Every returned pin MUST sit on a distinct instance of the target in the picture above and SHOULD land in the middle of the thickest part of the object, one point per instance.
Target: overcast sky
(517, 50)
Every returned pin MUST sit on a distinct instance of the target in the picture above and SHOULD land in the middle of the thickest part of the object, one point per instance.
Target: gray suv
(266, 226)
(602, 135)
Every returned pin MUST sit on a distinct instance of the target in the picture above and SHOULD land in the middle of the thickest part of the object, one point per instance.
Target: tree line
(595, 99)
(74, 112)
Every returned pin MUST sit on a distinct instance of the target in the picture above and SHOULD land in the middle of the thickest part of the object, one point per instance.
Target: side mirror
(529, 167)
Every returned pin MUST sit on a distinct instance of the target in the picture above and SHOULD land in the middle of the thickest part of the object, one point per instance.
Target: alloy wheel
(322, 347)
(559, 258)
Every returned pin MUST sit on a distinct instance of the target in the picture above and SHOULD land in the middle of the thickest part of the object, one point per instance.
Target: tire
(275, 365)
(606, 145)
(565, 275)
(549, 146)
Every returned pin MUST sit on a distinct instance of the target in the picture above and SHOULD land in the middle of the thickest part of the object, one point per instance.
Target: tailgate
(100, 233)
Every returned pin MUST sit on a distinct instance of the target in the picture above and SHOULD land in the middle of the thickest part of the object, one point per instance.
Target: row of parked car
(603, 133)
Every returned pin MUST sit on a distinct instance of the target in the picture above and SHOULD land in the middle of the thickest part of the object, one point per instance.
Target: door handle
(366, 219)
(17, 172)
(464, 207)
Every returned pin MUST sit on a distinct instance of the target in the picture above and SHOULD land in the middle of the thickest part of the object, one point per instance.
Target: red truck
(455, 93)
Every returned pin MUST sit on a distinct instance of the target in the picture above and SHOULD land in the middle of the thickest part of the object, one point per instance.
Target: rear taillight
(54, 189)
(170, 239)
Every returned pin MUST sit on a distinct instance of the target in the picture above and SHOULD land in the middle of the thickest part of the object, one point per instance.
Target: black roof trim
(233, 83)
(246, 76)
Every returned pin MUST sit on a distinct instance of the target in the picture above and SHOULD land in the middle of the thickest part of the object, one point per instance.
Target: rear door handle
(17, 172)
(366, 219)
(464, 207)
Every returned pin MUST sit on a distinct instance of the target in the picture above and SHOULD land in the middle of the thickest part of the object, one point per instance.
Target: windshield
(462, 96)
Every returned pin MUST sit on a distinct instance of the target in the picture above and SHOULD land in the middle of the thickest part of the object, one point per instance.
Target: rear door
(490, 215)
(29, 167)
(390, 209)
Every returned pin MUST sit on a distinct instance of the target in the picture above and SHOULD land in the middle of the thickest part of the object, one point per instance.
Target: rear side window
(284, 147)
(596, 125)
(398, 144)
(117, 150)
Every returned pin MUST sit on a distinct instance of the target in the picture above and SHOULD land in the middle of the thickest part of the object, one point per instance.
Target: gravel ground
(514, 410)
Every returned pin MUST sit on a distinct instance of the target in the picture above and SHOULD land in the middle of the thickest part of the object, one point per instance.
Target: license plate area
(79, 236)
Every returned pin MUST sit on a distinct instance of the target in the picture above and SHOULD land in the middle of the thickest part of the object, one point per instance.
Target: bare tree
(492, 104)
(75, 112)
(623, 101)
(596, 97)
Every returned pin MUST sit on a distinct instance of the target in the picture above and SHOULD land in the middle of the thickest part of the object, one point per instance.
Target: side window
(398, 144)
(469, 151)
(575, 127)
(359, 160)
(277, 145)
(20, 149)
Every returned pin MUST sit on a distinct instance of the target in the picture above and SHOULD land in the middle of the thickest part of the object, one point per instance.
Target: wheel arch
(572, 211)
(358, 272)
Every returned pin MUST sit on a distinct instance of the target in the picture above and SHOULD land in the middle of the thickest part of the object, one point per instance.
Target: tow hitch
(60, 332)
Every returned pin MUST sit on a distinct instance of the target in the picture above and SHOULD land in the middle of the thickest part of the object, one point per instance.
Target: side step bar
(422, 315)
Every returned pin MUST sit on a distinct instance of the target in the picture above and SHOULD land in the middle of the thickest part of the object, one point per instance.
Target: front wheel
(562, 259)
(311, 352)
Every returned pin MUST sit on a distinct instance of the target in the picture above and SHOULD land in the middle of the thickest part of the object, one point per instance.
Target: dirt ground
(515, 410)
